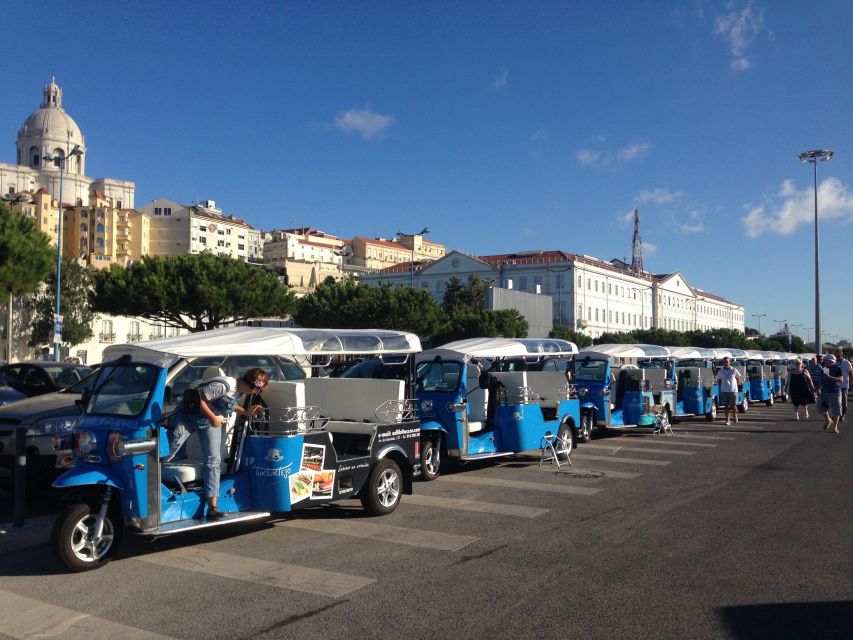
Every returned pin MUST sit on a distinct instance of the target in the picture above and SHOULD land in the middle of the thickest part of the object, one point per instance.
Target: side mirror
(483, 380)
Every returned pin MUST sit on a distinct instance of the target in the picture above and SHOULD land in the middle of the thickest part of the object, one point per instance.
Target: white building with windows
(50, 131)
(588, 294)
(179, 229)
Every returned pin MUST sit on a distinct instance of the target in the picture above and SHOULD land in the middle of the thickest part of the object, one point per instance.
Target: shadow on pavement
(800, 620)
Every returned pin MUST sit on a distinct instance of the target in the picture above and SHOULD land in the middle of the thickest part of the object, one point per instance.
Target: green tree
(26, 257)
(509, 323)
(77, 314)
(564, 333)
(194, 292)
(471, 294)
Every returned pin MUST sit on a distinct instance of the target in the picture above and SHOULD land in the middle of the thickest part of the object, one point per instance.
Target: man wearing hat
(830, 393)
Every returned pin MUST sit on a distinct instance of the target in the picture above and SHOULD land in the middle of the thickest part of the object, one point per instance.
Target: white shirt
(728, 379)
(846, 368)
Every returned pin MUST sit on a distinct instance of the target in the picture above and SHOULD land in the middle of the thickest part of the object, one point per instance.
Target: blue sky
(501, 126)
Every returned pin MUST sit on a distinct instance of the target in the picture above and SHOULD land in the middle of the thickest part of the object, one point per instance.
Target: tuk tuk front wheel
(72, 541)
(587, 425)
(744, 406)
(430, 459)
(384, 488)
(564, 450)
(712, 414)
(769, 401)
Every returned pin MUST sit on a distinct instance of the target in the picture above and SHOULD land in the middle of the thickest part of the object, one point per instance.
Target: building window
(158, 211)
(609, 289)
(522, 283)
(167, 211)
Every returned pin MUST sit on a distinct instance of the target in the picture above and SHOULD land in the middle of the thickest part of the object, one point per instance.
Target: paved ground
(717, 532)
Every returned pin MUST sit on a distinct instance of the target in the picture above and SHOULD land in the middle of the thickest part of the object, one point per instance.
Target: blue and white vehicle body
(698, 391)
(760, 373)
(621, 385)
(319, 439)
(780, 363)
(487, 397)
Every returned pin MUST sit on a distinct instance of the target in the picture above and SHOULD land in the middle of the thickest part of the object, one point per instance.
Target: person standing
(846, 367)
(830, 393)
(727, 378)
(801, 388)
(816, 372)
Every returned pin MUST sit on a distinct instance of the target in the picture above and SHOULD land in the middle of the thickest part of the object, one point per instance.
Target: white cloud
(540, 135)
(606, 157)
(587, 157)
(740, 27)
(632, 151)
(649, 249)
(693, 223)
(501, 80)
(657, 196)
(626, 219)
(537, 143)
(368, 124)
(792, 208)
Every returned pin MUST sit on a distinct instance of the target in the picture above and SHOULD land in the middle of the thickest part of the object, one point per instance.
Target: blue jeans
(210, 439)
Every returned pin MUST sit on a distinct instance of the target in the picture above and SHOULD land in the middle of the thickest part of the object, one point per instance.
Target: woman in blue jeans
(217, 401)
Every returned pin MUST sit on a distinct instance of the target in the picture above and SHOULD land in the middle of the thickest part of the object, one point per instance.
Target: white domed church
(51, 132)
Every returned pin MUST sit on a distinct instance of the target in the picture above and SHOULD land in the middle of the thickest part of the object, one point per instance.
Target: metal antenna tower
(637, 247)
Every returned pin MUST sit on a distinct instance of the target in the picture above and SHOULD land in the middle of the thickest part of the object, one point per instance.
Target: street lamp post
(422, 232)
(813, 157)
(781, 323)
(759, 316)
(60, 161)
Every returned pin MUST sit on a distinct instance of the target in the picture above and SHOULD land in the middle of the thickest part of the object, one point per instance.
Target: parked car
(8, 394)
(51, 418)
(37, 377)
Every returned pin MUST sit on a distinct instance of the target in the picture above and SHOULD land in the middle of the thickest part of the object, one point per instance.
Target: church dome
(50, 130)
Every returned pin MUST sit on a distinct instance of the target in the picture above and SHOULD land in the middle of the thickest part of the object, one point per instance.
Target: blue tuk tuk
(488, 397)
(698, 391)
(760, 374)
(319, 440)
(624, 385)
(780, 363)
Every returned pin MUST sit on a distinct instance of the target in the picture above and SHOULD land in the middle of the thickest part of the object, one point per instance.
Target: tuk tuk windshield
(590, 370)
(123, 390)
(439, 375)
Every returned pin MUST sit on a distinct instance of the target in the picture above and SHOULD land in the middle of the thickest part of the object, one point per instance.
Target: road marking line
(25, 618)
(690, 435)
(615, 448)
(520, 484)
(385, 533)
(476, 506)
(264, 572)
(671, 441)
(654, 463)
(623, 475)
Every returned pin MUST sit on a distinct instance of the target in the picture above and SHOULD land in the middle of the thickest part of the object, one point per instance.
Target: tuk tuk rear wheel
(712, 414)
(587, 426)
(769, 401)
(744, 406)
(71, 538)
(384, 488)
(430, 459)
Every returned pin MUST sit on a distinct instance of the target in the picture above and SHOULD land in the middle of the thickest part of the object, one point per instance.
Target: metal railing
(394, 411)
(289, 421)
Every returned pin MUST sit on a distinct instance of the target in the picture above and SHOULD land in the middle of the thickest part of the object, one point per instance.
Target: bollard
(20, 475)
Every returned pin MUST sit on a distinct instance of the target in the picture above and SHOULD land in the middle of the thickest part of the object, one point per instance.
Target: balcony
(121, 221)
(134, 337)
(107, 337)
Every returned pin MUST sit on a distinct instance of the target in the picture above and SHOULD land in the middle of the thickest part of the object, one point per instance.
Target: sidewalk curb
(34, 533)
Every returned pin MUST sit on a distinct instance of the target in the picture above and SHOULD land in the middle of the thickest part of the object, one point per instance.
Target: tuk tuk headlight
(86, 443)
(53, 426)
(583, 392)
(426, 406)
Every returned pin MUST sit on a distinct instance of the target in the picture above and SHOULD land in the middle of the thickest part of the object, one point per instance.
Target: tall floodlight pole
(759, 316)
(60, 161)
(781, 324)
(422, 232)
(813, 157)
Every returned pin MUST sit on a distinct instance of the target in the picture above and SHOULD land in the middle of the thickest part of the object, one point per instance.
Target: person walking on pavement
(727, 378)
(802, 389)
(846, 367)
(816, 372)
(830, 393)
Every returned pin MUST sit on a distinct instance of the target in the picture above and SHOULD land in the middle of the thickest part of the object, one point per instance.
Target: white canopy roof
(628, 350)
(231, 341)
(752, 354)
(501, 348)
(684, 353)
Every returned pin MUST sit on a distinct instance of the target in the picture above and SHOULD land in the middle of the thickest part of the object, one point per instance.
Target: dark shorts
(728, 398)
